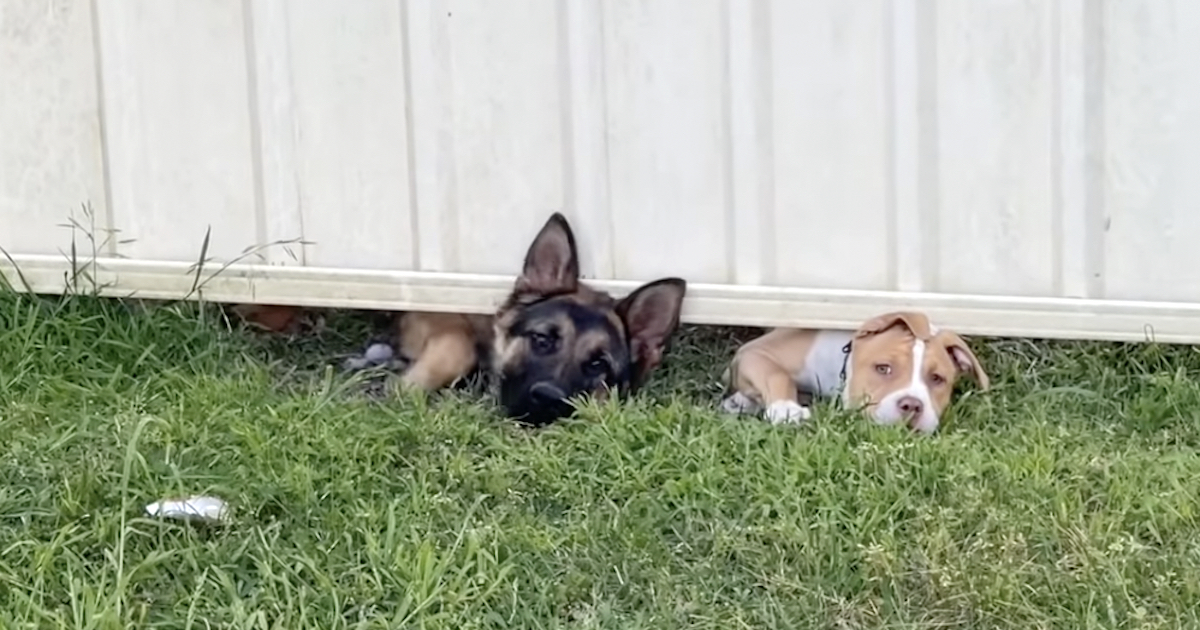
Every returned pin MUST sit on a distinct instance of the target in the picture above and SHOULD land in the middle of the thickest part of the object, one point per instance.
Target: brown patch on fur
(443, 347)
(917, 324)
(273, 318)
(762, 369)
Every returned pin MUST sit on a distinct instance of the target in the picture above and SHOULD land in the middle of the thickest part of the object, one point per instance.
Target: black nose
(546, 394)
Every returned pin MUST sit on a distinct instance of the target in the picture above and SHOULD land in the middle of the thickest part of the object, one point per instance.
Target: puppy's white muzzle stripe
(890, 411)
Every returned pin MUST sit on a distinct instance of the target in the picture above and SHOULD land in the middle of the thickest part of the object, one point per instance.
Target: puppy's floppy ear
(965, 360)
(651, 315)
(551, 264)
(917, 323)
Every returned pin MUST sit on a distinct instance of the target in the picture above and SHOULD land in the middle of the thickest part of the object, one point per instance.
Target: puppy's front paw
(787, 412)
(739, 403)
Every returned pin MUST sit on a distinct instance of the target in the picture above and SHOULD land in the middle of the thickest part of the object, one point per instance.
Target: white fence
(1024, 167)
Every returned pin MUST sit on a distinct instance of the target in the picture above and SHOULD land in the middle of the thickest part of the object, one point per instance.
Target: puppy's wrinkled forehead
(894, 345)
(898, 343)
(895, 337)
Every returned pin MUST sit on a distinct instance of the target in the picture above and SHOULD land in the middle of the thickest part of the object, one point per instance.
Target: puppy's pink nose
(911, 406)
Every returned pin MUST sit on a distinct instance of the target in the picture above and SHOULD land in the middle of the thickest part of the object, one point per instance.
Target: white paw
(739, 403)
(787, 412)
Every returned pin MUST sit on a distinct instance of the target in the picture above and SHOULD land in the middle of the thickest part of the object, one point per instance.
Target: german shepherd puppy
(552, 340)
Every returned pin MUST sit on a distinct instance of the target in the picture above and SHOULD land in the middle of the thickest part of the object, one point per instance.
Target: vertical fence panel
(507, 105)
(177, 121)
(750, 223)
(50, 140)
(1077, 64)
(275, 138)
(1152, 149)
(431, 134)
(666, 75)
(912, 233)
(832, 153)
(585, 155)
(995, 117)
(346, 76)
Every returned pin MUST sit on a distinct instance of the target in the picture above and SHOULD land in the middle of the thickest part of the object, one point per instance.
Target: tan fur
(764, 369)
(443, 346)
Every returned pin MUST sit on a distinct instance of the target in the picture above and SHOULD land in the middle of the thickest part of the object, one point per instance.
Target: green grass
(1065, 498)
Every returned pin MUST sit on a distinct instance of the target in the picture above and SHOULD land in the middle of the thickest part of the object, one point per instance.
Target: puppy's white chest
(822, 371)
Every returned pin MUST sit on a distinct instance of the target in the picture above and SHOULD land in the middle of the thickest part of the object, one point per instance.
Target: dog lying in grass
(897, 367)
(553, 339)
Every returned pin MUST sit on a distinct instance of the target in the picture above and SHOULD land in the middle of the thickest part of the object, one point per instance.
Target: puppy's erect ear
(917, 324)
(551, 264)
(965, 360)
(651, 315)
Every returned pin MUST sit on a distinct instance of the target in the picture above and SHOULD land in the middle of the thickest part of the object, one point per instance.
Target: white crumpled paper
(198, 508)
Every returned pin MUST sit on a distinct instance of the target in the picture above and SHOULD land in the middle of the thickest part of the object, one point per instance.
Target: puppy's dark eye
(596, 367)
(541, 343)
(937, 379)
(883, 368)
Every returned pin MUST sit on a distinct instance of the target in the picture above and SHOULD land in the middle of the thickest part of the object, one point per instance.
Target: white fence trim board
(706, 303)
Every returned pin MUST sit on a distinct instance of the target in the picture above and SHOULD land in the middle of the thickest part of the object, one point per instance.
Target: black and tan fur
(552, 340)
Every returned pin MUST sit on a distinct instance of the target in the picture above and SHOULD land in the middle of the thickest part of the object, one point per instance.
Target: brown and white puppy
(897, 367)
(552, 340)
